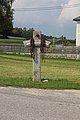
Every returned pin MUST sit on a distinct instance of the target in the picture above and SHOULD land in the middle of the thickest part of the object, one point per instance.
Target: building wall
(78, 34)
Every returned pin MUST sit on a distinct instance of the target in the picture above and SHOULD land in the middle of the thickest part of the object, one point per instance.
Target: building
(77, 31)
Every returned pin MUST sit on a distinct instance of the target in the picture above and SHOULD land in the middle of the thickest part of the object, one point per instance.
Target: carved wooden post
(36, 60)
(37, 65)
(35, 44)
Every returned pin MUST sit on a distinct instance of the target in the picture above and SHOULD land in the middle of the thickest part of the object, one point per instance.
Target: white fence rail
(57, 52)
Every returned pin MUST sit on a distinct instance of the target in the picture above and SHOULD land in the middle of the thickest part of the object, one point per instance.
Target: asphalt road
(32, 104)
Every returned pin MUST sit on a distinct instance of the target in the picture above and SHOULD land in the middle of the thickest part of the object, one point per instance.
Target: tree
(17, 32)
(24, 32)
(6, 17)
(29, 33)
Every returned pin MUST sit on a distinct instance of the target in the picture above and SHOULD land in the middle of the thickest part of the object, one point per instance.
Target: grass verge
(28, 83)
(16, 71)
(12, 40)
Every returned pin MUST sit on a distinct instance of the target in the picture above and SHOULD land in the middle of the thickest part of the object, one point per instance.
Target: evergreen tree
(6, 17)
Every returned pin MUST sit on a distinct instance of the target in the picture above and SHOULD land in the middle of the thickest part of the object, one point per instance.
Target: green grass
(12, 40)
(16, 71)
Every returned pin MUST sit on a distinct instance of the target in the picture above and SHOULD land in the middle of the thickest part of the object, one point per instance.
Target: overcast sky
(54, 22)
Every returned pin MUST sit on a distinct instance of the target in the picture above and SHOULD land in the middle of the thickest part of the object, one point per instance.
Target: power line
(47, 8)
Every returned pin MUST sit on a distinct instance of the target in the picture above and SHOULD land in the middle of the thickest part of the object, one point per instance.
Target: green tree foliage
(23, 32)
(6, 17)
(27, 33)
(17, 32)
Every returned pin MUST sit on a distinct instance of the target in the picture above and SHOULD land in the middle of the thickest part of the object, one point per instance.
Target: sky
(55, 22)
